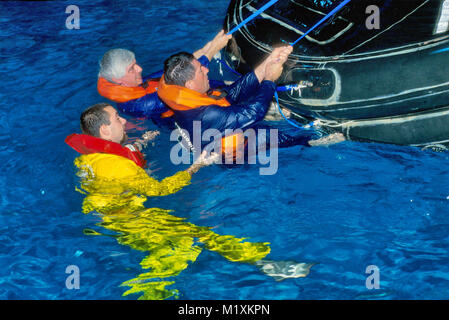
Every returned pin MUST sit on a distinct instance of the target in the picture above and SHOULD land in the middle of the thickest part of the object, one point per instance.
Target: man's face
(132, 77)
(115, 131)
(200, 81)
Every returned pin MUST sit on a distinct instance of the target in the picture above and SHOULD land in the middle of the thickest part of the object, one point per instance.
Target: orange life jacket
(179, 98)
(120, 94)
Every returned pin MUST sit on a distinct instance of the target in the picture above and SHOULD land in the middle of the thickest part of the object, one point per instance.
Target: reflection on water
(171, 242)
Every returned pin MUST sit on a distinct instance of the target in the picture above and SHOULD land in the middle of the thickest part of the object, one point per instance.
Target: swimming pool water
(345, 207)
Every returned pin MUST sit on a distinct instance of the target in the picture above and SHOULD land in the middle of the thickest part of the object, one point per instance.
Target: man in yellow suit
(116, 185)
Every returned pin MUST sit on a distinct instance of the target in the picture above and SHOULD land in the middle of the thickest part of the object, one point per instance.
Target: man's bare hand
(206, 159)
(213, 46)
(203, 160)
(150, 135)
(328, 140)
(275, 62)
(146, 137)
(273, 71)
(280, 54)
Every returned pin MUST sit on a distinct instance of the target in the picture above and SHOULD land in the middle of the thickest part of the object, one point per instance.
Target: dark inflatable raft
(377, 75)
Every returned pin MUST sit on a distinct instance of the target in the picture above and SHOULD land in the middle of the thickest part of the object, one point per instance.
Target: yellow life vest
(117, 187)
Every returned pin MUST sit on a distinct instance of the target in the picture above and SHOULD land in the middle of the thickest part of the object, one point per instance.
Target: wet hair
(178, 69)
(114, 63)
(93, 118)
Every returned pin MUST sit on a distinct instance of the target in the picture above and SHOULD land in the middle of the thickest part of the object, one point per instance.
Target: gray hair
(114, 63)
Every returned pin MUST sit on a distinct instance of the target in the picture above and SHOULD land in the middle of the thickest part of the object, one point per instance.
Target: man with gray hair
(119, 66)
(120, 80)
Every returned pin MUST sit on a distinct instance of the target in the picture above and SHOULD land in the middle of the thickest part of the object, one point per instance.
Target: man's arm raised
(213, 46)
(275, 60)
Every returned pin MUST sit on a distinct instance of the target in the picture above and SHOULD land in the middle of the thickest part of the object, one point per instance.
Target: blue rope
(341, 5)
(310, 125)
(251, 17)
(288, 87)
(280, 88)
(229, 68)
(439, 51)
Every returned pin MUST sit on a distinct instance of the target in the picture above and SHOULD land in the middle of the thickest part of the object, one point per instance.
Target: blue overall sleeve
(287, 137)
(204, 61)
(147, 106)
(245, 86)
(236, 116)
(241, 115)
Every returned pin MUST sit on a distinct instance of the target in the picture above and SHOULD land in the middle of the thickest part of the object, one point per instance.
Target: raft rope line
(287, 87)
(330, 14)
(280, 88)
(338, 8)
(291, 87)
(251, 17)
(318, 122)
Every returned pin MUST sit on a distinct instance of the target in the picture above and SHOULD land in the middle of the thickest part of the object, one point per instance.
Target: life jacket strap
(185, 138)
(212, 94)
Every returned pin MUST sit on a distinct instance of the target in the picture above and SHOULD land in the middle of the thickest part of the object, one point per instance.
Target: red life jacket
(86, 144)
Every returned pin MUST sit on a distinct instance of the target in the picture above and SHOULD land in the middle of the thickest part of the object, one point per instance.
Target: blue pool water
(346, 207)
